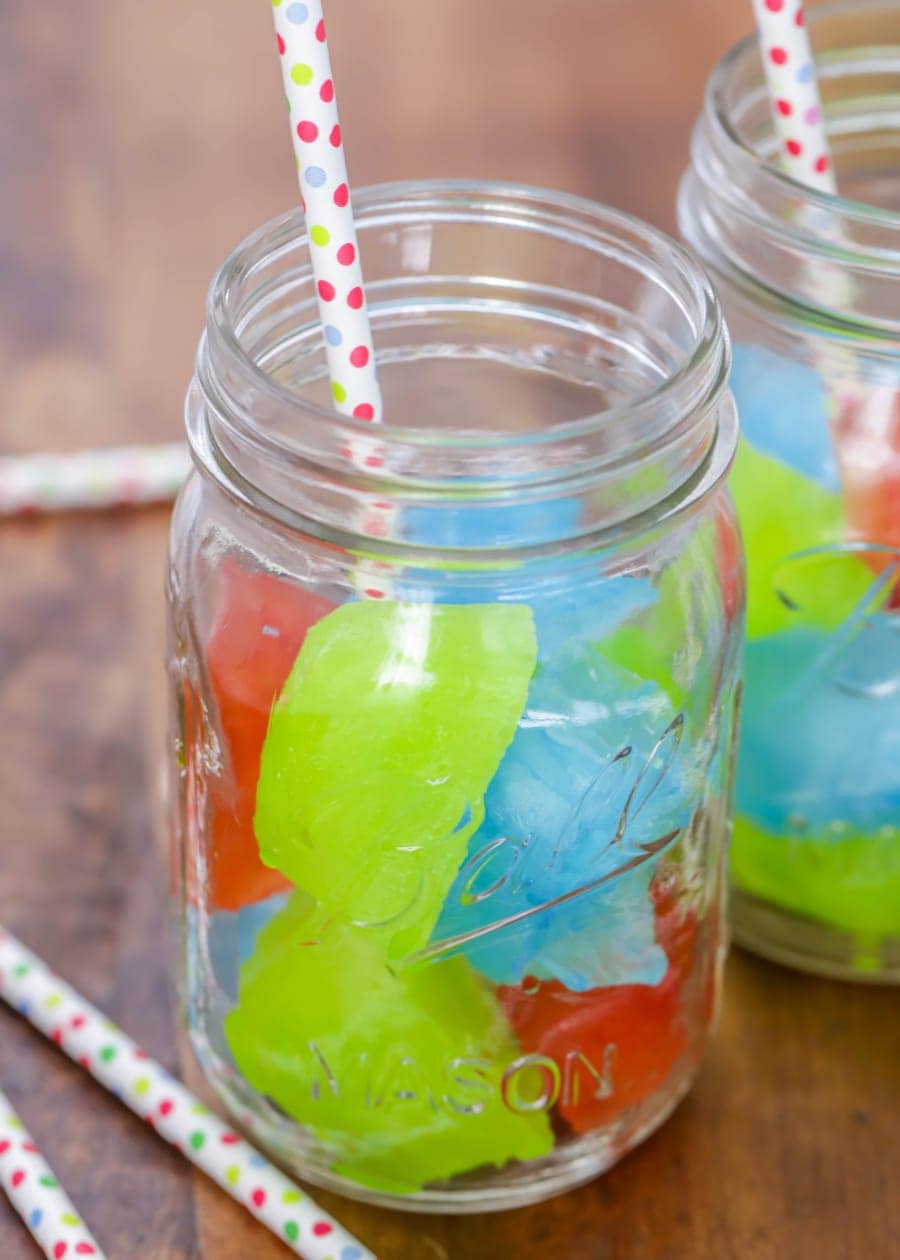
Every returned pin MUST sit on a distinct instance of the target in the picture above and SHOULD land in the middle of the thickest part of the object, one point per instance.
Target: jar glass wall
(454, 699)
(811, 289)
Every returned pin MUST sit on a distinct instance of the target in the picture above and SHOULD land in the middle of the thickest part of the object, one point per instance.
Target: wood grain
(138, 143)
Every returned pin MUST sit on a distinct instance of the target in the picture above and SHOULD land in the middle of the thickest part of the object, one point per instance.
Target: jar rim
(752, 164)
(374, 203)
(239, 412)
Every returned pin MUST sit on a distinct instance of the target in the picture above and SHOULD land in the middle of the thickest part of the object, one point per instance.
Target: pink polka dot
(346, 255)
(359, 357)
(813, 115)
(798, 17)
(785, 108)
(17, 1178)
(166, 1107)
(327, 291)
(774, 6)
(282, 46)
(321, 1228)
(778, 55)
(60, 1250)
(355, 299)
(307, 131)
(365, 411)
(320, 32)
(372, 592)
(341, 195)
(258, 1197)
(335, 136)
(822, 165)
(794, 147)
(326, 91)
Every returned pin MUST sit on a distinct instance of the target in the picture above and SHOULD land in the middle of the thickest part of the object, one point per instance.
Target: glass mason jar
(454, 721)
(810, 285)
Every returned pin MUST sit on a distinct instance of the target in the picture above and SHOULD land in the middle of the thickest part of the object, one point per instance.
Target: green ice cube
(379, 751)
(782, 514)
(398, 1076)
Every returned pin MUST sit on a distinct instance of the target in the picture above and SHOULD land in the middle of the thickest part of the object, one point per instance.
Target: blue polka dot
(35, 1218)
(315, 176)
(805, 74)
(297, 13)
(257, 1161)
(351, 1253)
(333, 335)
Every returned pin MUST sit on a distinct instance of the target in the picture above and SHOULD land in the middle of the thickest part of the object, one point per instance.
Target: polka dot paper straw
(324, 187)
(118, 476)
(114, 1060)
(334, 250)
(794, 93)
(33, 1190)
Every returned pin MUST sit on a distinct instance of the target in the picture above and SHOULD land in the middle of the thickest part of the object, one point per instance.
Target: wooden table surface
(138, 143)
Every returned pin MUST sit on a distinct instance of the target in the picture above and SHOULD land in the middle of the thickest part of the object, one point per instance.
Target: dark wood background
(138, 143)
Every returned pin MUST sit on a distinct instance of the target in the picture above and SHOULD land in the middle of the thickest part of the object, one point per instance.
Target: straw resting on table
(122, 1067)
(33, 1190)
(794, 93)
(113, 477)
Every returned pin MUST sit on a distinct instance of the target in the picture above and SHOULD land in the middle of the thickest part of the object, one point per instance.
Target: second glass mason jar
(454, 699)
(810, 284)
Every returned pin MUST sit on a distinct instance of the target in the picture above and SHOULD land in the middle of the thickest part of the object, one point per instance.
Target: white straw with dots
(794, 93)
(113, 1059)
(334, 253)
(32, 1188)
(324, 187)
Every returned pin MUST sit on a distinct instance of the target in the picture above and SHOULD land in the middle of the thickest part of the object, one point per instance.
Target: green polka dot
(197, 1139)
(302, 74)
(320, 235)
(108, 1053)
(50, 1182)
(141, 1085)
(340, 394)
(68, 1219)
(52, 1000)
(232, 1174)
(291, 1231)
(21, 969)
(291, 1196)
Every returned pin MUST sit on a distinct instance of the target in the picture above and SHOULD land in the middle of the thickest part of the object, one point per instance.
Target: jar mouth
(600, 340)
(729, 113)
(856, 234)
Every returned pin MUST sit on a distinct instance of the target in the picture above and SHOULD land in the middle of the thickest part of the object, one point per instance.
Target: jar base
(806, 945)
(517, 1186)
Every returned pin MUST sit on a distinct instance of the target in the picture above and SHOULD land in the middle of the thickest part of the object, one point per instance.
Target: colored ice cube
(379, 752)
(784, 407)
(820, 735)
(397, 1076)
(258, 625)
(589, 793)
